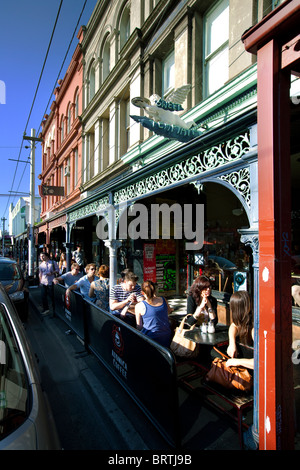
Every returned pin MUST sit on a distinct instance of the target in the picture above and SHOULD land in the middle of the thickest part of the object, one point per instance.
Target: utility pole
(31, 251)
(3, 236)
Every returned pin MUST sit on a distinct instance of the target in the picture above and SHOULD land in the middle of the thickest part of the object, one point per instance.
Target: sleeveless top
(156, 323)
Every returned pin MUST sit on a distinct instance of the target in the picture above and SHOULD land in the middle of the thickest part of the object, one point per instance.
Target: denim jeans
(45, 292)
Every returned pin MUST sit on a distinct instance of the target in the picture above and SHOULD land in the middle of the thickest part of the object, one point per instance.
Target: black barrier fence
(146, 370)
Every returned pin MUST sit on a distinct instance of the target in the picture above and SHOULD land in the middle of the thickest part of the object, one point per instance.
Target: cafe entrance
(169, 261)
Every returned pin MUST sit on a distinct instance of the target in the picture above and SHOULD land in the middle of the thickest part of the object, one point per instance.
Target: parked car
(26, 421)
(11, 277)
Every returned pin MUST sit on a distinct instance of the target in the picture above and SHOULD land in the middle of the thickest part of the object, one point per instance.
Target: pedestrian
(47, 271)
(70, 277)
(62, 264)
(152, 315)
(84, 283)
(123, 298)
(78, 256)
(99, 290)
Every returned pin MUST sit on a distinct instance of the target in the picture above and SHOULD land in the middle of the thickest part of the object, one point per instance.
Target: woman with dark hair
(241, 328)
(152, 315)
(100, 288)
(200, 303)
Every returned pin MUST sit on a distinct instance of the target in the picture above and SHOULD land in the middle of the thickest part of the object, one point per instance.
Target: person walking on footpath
(47, 270)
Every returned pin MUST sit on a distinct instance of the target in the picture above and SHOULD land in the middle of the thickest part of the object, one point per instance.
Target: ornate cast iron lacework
(210, 159)
(89, 209)
(240, 180)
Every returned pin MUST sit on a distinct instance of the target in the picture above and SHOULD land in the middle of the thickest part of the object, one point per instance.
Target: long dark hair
(200, 283)
(240, 307)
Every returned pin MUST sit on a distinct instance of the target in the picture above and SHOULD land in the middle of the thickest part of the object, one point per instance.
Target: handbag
(229, 377)
(182, 346)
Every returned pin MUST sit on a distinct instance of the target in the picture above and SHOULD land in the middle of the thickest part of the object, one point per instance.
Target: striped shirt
(119, 294)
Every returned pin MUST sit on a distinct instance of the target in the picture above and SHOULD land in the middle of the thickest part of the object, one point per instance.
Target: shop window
(168, 73)
(216, 37)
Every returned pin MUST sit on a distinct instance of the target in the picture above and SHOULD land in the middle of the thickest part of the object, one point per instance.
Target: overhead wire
(58, 75)
(45, 60)
(88, 162)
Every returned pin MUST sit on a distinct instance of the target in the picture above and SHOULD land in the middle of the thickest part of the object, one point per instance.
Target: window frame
(210, 56)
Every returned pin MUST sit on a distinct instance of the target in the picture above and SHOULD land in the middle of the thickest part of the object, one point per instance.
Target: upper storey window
(124, 26)
(216, 64)
(69, 119)
(92, 83)
(62, 129)
(105, 60)
(76, 110)
(168, 73)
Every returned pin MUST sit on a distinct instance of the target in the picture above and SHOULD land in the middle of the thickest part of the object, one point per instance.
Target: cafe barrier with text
(146, 370)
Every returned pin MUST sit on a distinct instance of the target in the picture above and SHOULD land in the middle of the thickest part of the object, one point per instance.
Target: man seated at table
(123, 298)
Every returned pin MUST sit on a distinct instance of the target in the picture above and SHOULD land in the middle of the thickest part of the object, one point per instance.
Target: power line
(45, 60)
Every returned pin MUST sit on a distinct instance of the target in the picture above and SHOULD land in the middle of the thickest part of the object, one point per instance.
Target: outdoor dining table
(219, 337)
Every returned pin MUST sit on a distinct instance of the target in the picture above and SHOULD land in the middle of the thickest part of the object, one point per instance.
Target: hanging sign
(162, 120)
(51, 190)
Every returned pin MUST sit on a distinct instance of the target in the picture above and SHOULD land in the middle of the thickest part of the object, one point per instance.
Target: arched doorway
(221, 256)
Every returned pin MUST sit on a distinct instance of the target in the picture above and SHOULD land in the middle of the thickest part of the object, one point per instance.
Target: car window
(9, 272)
(14, 390)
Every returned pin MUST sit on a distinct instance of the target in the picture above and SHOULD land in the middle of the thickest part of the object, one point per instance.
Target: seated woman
(200, 303)
(152, 315)
(100, 288)
(241, 328)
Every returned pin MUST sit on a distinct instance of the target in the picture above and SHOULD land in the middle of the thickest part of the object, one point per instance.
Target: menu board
(149, 262)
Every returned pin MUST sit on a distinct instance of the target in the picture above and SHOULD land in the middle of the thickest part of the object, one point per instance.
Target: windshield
(9, 271)
(13, 383)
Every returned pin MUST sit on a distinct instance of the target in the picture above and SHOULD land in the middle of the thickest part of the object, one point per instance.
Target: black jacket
(191, 308)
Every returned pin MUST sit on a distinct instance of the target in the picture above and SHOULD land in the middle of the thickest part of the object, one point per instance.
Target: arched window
(76, 102)
(124, 26)
(62, 128)
(92, 82)
(105, 60)
(69, 119)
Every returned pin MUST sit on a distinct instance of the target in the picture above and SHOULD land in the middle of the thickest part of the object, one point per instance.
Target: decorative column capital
(250, 238)
(113, 244)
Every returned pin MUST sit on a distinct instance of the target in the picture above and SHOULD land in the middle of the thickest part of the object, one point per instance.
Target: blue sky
(26, 27)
